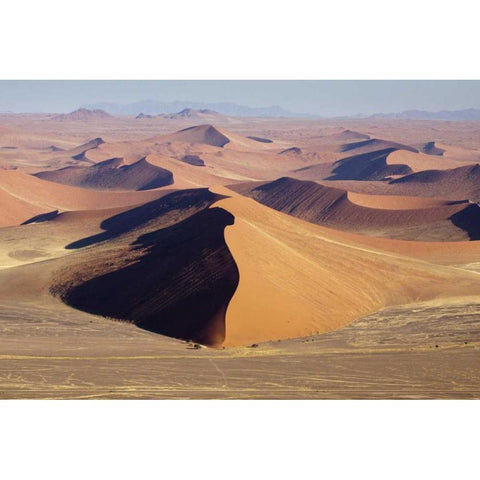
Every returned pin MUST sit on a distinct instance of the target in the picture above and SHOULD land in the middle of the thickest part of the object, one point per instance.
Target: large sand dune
(395, 217)
(461, 182)
(34, 195)
(311, 281)
(112, 174)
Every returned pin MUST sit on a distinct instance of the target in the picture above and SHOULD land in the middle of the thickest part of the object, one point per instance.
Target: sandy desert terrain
(198, 255)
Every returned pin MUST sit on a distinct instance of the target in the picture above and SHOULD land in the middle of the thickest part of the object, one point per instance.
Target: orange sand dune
(395, 202)
(189, 176)
(46, 196)
(431, 148)
(15, 210)
(461, 182)
(374, 144)
(217, 137)
(348, 135)
(429, 219)
(45, 240)
(421, 161)
(460, 153)
(297, 279)
(112, 174)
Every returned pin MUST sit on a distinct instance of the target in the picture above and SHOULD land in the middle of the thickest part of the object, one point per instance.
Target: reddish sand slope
(421, 161)
(461, 182)
(297, 279)
(427, 220)
(15, 210)
(112, 174)
(45, 196)
(375, 144)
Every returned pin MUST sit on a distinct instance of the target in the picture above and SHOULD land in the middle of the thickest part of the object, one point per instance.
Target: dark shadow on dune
(111, 174)
(178, 203)
(261, 140)
(368, 166)
(468, 220)
(194, 160)
(180, 286)
(42, 217)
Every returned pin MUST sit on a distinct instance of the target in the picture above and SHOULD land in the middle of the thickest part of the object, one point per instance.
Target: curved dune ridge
(16, 210)
(112, 174)
(311, 279)
(169, 260)
(413, 219)
(421, 161)
(371, 160)
(373, 144)
(216, 137)
(193, 160)
(463, 182)
(206, 134)
(291, 151)
(368, 166)
(194, 264)
(430, 148)
(396, 202)
(348, 135)
(260, 139)
(27, 196)
(78, 153)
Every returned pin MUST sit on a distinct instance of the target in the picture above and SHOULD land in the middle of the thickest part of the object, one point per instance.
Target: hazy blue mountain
(154, 107)
(470, 114)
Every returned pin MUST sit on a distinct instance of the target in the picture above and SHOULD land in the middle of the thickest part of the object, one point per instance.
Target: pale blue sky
(323, 97)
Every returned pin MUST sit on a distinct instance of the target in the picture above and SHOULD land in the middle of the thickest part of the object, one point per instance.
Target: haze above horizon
(313, 97)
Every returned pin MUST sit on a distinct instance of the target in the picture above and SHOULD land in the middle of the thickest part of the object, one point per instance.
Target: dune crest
(408, 218)
(112, 174)
(297, 279)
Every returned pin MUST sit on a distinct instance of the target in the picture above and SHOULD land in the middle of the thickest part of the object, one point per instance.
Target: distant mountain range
(470, 114)
(154, 107)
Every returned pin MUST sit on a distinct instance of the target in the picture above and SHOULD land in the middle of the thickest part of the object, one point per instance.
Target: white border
(371, 39)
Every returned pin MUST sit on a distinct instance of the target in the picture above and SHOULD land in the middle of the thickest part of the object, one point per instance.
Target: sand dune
(348, 135)
(170, 261)
(421, 161)
(374, 144)
(216, 137)
(206, 134)
(45, 196)
(112, 174)
(371, 159)
(178, 264)
(460, 153)
(394, 217)
(15, 210)
(193, 160)
(430, 148)
(297, 279)
(461, 182)
(291, 151)
(368, 166)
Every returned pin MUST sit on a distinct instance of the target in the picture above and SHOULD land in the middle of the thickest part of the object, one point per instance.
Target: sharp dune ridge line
(410, 218)
(296, 280)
